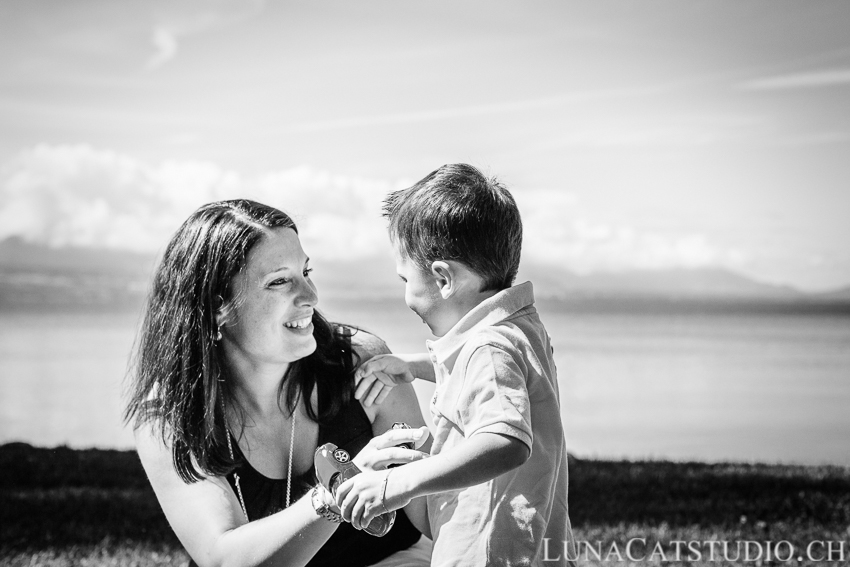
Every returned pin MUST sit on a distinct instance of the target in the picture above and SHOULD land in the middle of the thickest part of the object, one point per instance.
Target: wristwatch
(323, 509)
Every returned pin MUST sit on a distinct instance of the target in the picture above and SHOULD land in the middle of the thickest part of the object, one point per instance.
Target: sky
(634, 135)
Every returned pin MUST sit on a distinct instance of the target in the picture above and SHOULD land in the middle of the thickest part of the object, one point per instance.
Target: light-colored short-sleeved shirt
(495, 373)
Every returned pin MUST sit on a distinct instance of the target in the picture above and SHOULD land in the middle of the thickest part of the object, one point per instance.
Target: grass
(93, 507)
(612, 502)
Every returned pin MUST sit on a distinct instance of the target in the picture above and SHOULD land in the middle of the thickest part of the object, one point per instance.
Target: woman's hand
(328, 499)
(382, 451)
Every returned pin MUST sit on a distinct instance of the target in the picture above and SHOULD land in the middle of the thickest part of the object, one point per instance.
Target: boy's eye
(307, 272)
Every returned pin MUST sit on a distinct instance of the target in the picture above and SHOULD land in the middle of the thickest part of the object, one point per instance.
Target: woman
(238, 380)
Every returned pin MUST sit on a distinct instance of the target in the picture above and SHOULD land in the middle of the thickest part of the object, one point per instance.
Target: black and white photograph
(411, 284)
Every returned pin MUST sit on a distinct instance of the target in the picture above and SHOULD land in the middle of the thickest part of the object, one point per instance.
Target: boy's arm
(380, 374)
(479, 458)
(492, 404)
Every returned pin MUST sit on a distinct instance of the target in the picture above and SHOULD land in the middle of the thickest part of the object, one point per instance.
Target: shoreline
(572, 457)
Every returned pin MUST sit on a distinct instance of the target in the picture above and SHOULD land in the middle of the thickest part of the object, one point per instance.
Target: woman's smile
(302, 326)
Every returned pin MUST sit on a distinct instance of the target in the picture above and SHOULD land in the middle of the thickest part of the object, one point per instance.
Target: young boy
(496, 481)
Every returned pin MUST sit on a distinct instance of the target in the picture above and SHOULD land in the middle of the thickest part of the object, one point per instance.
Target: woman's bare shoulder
(366, 345)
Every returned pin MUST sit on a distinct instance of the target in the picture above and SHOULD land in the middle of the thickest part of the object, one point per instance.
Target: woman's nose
(307, 293)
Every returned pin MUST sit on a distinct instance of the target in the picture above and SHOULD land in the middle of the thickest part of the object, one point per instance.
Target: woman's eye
(280, 281)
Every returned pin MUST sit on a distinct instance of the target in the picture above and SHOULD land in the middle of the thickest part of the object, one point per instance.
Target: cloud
(338, 215)
(165, 43)
(813, 79)
(478, 109)
(554, 234)
(82, 196)
(181, 19)
(813, 139)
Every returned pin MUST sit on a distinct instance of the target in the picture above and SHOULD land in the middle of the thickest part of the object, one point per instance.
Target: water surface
(761, 387)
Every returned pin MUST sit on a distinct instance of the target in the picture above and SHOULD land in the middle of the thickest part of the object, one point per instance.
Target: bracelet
(384, 491)
(323, 509)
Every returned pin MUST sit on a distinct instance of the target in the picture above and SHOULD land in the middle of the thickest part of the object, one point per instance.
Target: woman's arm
(382, 372)
(401, 405)
(208, 519)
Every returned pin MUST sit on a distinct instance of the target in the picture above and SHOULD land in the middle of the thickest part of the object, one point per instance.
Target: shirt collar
(487, 313)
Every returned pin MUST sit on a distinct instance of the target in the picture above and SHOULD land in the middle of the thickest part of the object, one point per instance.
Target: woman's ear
(224, 315)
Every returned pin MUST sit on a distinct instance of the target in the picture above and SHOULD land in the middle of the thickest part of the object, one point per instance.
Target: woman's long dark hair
(180, 378)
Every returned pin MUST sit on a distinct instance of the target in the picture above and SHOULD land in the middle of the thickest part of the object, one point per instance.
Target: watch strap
(321, 508)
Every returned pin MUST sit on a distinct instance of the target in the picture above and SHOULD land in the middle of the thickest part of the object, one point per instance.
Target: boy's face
(421, 293)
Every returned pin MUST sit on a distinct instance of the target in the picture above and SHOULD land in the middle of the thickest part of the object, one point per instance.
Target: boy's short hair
(456, 213)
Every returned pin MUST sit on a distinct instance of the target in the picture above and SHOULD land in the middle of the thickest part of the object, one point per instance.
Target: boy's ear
(445, 277)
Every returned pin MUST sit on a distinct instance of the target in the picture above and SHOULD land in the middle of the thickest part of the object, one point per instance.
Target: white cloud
(813, 79)
(814, 139)
(555, 234)
(340, 216)
(77, 195)
(484, 109)
(181, 19)
(82, 196)
(165, 43)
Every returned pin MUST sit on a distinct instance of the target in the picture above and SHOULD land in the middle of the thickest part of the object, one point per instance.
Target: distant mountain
(671, 283)
(370, 278)
(842, 294)
(37, 277)
(19, 255)
(34, 276)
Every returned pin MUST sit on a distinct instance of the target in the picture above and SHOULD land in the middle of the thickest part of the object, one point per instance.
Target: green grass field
(93, 507)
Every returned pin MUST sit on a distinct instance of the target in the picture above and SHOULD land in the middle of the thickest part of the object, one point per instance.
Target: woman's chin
(305, 345)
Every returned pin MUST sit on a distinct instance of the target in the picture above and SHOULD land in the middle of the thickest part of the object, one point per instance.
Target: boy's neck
(456, 307)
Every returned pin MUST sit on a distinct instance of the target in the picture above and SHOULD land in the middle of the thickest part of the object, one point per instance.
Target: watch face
(341, 455)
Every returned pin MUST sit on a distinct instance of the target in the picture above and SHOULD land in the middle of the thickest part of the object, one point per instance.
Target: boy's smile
(421, 293)
(442, 296)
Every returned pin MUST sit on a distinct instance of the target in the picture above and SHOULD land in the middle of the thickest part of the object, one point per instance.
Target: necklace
(288, 467)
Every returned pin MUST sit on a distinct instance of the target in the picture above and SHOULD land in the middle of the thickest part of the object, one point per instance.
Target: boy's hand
(378, 375)
(367, 495)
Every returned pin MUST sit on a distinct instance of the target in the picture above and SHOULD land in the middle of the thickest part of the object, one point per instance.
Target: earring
(217, 335)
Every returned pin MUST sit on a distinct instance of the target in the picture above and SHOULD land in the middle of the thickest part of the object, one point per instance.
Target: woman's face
(271, 321)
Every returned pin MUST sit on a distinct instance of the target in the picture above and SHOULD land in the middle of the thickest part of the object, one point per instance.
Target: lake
(718, 387)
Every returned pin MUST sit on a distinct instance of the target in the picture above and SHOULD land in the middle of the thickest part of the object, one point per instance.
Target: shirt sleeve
(494, 396)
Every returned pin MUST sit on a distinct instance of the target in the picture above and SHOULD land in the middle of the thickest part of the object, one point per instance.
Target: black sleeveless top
(349, 430)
